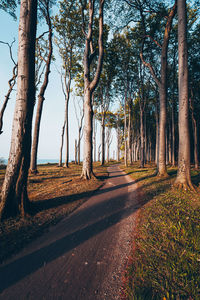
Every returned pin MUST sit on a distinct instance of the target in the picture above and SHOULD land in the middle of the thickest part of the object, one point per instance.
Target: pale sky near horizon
(53, 110)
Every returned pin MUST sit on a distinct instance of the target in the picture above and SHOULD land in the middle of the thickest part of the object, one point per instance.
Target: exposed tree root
(163, 175)
(187, 186)
(86, 174)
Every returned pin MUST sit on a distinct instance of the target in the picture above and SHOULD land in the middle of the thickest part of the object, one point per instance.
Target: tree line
(147, 61)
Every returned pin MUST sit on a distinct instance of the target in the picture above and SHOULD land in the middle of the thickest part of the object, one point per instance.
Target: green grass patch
(165, 263)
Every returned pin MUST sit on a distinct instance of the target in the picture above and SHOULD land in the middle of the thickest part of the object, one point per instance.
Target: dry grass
(165, 262)
(55, 193)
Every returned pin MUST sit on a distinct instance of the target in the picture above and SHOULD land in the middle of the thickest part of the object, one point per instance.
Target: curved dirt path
(83, 257)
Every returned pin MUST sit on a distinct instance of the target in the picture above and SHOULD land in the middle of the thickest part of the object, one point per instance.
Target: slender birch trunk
(14, 196)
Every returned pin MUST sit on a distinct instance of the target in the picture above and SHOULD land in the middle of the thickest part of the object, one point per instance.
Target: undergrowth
(165, 263)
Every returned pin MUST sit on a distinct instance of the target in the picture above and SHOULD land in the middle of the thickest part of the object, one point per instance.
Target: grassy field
(165, 261)
(55, 192)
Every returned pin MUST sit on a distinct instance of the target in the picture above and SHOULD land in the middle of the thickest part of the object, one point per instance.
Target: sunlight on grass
(165, 263)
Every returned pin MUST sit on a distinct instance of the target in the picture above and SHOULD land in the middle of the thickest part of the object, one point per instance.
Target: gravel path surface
(83, 257)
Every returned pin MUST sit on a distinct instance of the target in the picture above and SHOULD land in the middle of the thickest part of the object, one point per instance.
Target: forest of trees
(136, 66)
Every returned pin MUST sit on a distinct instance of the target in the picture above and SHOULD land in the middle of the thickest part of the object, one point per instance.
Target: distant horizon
(41, 160)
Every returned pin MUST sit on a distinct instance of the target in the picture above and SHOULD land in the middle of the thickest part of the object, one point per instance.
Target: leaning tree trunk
(41, 99)
(14, 197)
(183, 178)
(11, 84)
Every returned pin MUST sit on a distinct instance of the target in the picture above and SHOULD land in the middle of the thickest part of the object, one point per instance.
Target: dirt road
(83, 256)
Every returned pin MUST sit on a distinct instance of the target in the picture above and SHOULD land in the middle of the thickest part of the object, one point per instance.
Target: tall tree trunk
(118, 139)
(183, 178)
(94, 138)
(162, 170)
(75, 152)
(173, 110)
(145, 138)
(66, 165)
(108, 145)
(157, 135)
(87, 161)
(14, 197)
(125, 133)
(141, 138)
(130, 133)
(61, 146)
(41, 99)
(170, 144)
(103, 139)
(162, 85)
(195, 135)
(79, 139)
(79, 146)
(173, 135)
(89, 86)
(167, 147)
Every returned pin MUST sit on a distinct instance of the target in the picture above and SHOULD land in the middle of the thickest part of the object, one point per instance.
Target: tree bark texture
(41, 99)
(183, 178)
(87, 161)
(162, 85)
(90, 85)
(14, 198)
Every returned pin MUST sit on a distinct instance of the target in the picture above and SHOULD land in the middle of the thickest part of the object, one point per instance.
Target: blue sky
(53, 111)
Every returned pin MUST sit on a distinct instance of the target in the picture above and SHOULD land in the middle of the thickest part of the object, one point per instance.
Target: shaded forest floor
(165, 260)
(55, 192)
